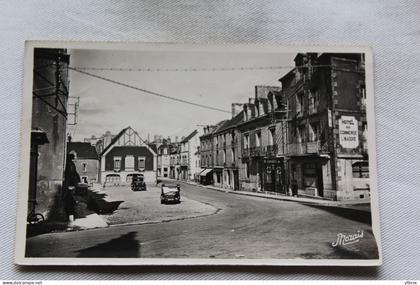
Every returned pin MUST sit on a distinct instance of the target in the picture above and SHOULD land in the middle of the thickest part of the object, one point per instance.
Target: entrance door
(279, 179)
(319, 181)
(236, 180)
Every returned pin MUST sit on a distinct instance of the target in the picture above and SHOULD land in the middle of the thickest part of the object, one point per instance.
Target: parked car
(170, 194)
(137, 183)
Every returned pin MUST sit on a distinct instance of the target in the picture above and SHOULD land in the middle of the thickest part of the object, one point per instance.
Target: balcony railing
(246, 152)
(257, 151)
(271, 150)
(304, 148)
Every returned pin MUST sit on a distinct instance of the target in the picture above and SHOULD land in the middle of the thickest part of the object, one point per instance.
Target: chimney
(107, 138)
(236, 109)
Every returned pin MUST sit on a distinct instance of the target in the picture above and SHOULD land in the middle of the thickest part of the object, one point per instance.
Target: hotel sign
(348, 132)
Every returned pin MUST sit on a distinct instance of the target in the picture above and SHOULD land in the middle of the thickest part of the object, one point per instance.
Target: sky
(106, 106)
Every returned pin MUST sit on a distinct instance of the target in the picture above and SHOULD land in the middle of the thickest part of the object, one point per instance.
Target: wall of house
(349, 187)
(90, 172)
(135, 151)
(194, 143)
(51, 159)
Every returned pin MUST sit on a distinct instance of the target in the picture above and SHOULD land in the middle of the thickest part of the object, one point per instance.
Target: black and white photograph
(183, 154)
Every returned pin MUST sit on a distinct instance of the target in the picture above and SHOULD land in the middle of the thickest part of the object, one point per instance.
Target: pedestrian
(295, 187)
(71, 179)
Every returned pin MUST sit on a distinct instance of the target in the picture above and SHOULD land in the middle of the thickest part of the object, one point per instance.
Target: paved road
(244, 227)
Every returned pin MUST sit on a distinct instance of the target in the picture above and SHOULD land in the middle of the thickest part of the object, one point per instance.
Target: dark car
(170, 194)
(138, 184)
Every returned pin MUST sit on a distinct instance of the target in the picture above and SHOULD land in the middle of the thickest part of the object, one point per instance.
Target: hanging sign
(348, 132)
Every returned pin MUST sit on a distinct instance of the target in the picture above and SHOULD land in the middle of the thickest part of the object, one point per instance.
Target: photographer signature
(343, 239)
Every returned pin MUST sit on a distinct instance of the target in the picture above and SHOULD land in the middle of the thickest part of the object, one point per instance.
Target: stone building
(226, 151)
(48, 139)
(207, 153)
(263, 131)
(86, 161)
(327, 149)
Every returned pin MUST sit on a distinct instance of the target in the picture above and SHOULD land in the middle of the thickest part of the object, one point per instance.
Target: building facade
(127, 154)
(164, 158)
(327, 129)
(189, 166)
(226, 151)
(175, 162)
(263, 131)
(207, 153)
(86, 161)
(49, 136)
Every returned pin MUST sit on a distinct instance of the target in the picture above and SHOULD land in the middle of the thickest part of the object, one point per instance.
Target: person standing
(71, 179)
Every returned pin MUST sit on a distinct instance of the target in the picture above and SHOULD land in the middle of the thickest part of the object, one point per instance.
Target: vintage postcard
(187, 154)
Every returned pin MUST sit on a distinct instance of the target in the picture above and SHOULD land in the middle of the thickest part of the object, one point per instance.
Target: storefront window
(309, 174)
(360, 169)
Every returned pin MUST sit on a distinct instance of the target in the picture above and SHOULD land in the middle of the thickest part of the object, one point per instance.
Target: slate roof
(189, 136)
(114, 140)
(231, 123)
(121, 133)
(83, 150)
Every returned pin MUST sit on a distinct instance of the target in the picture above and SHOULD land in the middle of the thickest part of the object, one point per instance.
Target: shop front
(274, 175)
(311, 175)
(206, 176)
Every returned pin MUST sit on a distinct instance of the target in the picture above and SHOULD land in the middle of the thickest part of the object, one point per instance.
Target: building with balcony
(326, 134)
(226, 151)
(261, 140)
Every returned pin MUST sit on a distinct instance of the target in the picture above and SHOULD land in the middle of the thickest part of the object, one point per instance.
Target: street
(242, 227)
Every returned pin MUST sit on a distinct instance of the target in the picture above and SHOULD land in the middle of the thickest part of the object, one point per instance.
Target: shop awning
(205, 172)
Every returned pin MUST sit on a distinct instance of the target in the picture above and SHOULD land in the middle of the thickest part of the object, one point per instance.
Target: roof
(190, 136)
(82, 150)
(153, 147)
(114, 140)
(174, 149)
(231, 123)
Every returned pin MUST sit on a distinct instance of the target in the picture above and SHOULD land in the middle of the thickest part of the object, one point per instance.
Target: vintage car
(170, 194)
(137, 183)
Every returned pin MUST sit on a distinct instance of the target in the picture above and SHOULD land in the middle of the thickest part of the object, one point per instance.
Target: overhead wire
(148, 91)
(191, 69)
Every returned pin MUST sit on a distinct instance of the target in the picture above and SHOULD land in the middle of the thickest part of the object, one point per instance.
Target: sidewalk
(359, 206)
